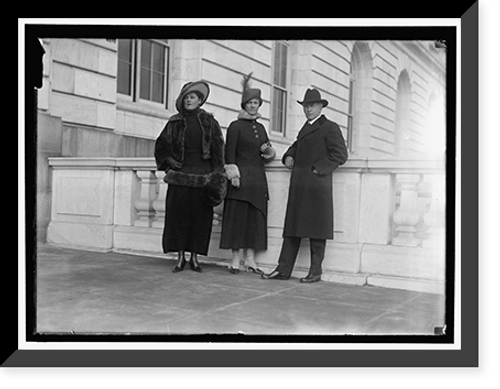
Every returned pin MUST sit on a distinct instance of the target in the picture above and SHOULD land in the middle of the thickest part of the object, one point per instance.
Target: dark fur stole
(214, 184)
(169, 147)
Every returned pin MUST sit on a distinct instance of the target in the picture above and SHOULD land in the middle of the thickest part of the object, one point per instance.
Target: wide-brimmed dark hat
(196, 86)
(313, 96)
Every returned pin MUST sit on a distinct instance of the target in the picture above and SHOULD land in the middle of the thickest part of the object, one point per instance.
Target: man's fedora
(313, 96)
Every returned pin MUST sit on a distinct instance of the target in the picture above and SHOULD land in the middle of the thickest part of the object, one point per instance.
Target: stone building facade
(104, 102)
(114, 96)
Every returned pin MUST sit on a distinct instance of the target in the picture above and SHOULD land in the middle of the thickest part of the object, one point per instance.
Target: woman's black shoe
(255, 270)
(181, 262)
(275, 275)
(234, 270)
(194, 264)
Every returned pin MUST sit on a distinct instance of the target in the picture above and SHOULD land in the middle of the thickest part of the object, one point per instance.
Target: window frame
(283, 89)
(135, 99)
(350, 107)
(125, 96)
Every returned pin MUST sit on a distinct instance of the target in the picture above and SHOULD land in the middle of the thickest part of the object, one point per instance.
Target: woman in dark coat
(244, 223)
(190, 149)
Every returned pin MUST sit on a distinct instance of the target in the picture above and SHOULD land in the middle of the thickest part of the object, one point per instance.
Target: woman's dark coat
(189, 155)
(320, 147)
(169, 148)
(243, 141)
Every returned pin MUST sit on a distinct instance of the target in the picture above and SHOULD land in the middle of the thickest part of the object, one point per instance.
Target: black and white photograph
(244, 185)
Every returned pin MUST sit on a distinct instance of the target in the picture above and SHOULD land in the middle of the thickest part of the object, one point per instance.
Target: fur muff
(232, 171)
(214, 185)
(215, 189)
(191, 180)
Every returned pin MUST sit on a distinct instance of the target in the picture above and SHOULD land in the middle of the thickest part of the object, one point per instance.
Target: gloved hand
(267, 151)
(233, 174)
(236, 182)
(174, 164)
(289, 162)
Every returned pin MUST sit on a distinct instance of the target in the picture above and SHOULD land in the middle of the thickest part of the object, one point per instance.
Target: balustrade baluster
(434, 218)
(218, 212)
(148, 193)
(407, 216)
(159, 203)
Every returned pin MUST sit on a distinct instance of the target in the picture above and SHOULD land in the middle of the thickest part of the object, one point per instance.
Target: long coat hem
(309, 212)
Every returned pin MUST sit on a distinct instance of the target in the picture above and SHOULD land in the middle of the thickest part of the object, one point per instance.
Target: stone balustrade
(389, 217)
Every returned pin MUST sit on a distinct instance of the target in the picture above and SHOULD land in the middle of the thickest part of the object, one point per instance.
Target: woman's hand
(235, 182)
(289, 162)
(174, 164)
(267, 151)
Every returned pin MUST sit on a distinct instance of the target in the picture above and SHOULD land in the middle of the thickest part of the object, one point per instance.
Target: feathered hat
(249, 93)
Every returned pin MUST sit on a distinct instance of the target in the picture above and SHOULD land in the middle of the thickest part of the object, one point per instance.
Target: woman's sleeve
(163, 150)
(218, 147)
(231, 143)
(270, 152)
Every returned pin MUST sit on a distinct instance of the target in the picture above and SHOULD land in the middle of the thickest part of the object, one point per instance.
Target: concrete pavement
(88, 292)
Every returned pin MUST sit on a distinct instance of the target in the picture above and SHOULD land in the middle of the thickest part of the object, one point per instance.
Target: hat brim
(322, 101)
(196, 86)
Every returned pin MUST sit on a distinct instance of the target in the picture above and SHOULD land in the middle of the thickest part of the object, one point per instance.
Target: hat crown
(249, 93)
(313, 95)
(193, 86)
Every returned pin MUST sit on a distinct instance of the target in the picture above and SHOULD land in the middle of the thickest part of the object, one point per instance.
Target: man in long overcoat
(319, 150)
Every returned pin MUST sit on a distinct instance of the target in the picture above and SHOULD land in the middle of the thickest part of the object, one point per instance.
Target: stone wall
(389, 217)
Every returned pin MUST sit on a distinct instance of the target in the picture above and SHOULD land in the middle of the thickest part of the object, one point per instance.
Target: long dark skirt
(188, 221)
(243, 226)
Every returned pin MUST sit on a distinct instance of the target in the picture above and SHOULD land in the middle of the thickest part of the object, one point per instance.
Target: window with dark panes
(125, 66)
(279, 87)
(350, 108)
(143, 69)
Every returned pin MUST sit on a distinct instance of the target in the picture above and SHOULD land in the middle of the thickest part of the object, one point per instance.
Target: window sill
(125, 104)
(279, 138)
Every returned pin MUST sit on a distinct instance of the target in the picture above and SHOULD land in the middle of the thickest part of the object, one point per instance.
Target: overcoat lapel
(309, 129)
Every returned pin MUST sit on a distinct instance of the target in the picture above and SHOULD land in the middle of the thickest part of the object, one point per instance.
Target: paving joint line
(252, 299)
(386, 312)
(230, 305)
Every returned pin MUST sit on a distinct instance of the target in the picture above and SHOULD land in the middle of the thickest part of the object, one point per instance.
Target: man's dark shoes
(275, 275)
(310, 279)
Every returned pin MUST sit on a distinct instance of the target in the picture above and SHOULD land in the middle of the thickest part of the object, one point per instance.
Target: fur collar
(170, 144)
(180, 116)
(246, 116)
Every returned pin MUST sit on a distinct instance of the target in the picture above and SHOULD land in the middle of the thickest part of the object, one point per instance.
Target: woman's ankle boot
(181, 262)
(235, 265)
(250, 263)
(195, 265)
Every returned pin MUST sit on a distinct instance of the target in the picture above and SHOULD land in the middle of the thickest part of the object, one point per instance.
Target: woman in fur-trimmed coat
(189, 149)
(244, 223)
